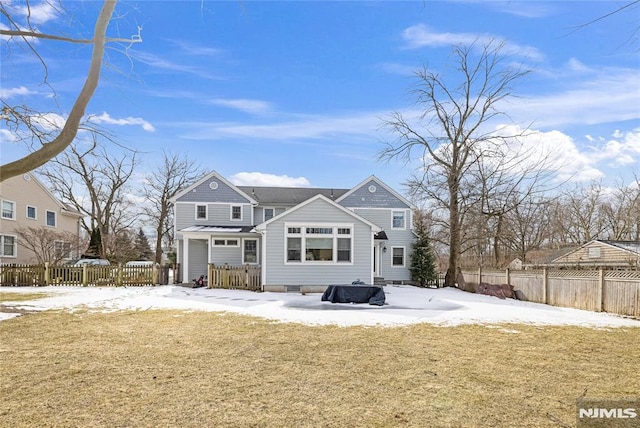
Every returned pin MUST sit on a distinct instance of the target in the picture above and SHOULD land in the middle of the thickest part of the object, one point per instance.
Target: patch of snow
(406, 305)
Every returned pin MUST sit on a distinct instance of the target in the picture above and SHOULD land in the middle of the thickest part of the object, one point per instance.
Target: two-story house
(309, 237)
(25, 202)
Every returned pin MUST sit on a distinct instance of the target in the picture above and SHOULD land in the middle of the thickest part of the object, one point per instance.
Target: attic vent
(213, 185)
(372, 189)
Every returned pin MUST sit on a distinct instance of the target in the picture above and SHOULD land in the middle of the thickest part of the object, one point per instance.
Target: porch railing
(246, 277)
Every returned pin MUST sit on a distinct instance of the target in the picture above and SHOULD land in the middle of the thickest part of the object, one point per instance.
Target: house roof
(633, 246)
(263, 226)
(218, 229)
(382, 184)
(288, 196)
(209, 176)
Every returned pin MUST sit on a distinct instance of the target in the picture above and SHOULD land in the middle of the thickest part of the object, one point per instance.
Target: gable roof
(380, 183)
(632, 247)
(32, 177)
(209, 176)
(263, 226)
(288, 196)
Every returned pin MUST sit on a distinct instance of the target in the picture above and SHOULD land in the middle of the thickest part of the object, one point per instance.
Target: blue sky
(294, 93)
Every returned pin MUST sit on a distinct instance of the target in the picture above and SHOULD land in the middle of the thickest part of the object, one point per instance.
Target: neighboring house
(601, 253)
(26, 202)
(309, 237)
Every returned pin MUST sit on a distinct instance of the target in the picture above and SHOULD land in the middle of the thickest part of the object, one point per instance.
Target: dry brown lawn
(177, 369)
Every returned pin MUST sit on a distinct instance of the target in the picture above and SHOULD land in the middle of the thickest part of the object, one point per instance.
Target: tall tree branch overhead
(56, 145)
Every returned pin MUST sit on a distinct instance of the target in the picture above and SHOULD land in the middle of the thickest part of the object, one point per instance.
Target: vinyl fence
(246, 277)
(617, 292)
(40, 275)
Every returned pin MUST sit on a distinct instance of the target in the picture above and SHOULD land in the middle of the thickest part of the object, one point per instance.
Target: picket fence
(246, 277)
(616, 292)
(45, 274)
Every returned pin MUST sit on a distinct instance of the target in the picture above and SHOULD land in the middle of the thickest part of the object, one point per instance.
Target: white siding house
(300, 237)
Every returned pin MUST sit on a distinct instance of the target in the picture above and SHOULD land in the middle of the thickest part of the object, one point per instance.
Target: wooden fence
(617, 292)
(245, 277)
(40, 275)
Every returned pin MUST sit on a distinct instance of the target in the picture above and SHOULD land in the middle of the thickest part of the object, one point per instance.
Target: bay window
(319, 244)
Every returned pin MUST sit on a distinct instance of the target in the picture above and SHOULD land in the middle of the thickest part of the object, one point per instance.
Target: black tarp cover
(354, 294)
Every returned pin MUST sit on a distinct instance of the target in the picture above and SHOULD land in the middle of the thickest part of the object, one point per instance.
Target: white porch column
(185, 260)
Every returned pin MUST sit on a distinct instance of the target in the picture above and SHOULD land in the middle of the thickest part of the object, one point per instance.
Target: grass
(168, 368)
(10, 296)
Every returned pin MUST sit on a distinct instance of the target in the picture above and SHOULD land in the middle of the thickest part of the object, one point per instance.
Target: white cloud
(421, 35)
(37, 13)
(7, 136)
(7, 93)
(346, 127)
(106, 118)
(623, 149)
(245, 105)
(603, 96)
(264, 179)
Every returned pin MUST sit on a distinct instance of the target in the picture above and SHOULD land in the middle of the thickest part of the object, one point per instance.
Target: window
(51, 218)
(236, 212)
(7, 246)
(8, 210)
(31, 212)
(324, 244)
(344, 249)
(225, 242)
(268, 214)
(398, 220)
(397, 256)
(62, 250)
(294, 249)
(250, 251)
(319, 249)
(201, 212)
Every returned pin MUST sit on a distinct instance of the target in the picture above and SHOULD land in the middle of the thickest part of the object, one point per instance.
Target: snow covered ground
(405, 305)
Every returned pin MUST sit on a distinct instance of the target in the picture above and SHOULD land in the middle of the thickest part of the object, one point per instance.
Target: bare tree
(583, 216)
(49, 245)
(174, 175)
(621, 212)
(450, 132)
(94, 182)
(54, 143)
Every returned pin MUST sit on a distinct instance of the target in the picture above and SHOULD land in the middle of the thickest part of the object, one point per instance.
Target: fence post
(85, 275)
(119, 277)
(600, 293)
(545, 285)
(479, 275)
(210, 273)
(508, 277)
(47, 274)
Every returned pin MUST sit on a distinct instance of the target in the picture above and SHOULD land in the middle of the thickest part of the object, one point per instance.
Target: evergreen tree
(142, 247)
(423, 260)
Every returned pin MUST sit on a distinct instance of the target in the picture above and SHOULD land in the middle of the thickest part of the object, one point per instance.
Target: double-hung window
(398, 220)
(51, 218)
(319, 243)
(236, 212)
(8, 210)
(201, 212)
(397, 256)
(31, 212)
(7, 246)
